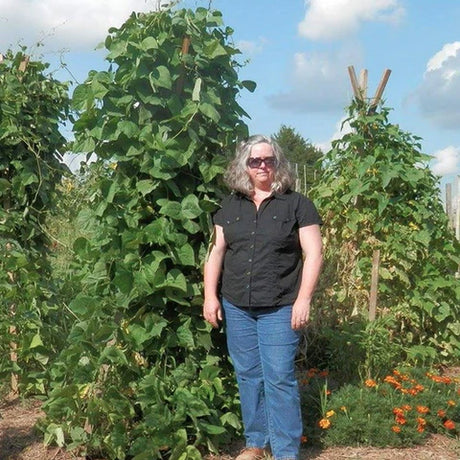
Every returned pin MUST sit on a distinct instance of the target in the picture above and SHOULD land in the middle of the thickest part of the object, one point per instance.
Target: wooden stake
(374, 284)
(24, 63)
(363, 83)
(380, 89)
(14, 360)
(354, 83)
(184, 51)
(13, 331)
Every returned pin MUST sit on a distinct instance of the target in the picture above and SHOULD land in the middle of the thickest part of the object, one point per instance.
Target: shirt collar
(277, 195)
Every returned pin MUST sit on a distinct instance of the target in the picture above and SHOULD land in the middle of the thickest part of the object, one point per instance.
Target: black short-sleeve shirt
(263, 259)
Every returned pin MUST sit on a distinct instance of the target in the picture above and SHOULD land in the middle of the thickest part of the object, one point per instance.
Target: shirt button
(248, 273)
(253, 233)
(252, 246)
(247, 286)
(250, 260)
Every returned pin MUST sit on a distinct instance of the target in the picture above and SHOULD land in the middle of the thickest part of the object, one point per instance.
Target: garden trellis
(12, 329)
(360, 93)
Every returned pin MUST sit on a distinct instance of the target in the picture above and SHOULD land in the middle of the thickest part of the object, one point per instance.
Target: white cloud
(446, 161)
(251, 48)
(438, 96)
(333, 19)
(447, 51)
(319, 82)
(72, 24)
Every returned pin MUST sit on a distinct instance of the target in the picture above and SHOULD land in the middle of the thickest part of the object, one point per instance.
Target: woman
(267, 254)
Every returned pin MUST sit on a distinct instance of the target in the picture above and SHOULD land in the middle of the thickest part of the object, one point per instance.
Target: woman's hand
(300, 314)
(212, 311)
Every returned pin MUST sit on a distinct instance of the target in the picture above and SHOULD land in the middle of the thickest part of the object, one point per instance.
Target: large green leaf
(190, 207)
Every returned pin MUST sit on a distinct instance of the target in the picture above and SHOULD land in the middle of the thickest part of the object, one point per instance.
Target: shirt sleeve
(307, 213)
(218, 218)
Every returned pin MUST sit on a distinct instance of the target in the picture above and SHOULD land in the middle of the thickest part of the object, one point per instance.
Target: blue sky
(298, 54)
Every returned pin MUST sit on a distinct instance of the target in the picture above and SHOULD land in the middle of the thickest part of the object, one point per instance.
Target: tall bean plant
(33, 106)
(377, 192)
(142, 376)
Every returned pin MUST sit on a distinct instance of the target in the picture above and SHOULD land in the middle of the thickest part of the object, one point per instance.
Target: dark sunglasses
(256, 162)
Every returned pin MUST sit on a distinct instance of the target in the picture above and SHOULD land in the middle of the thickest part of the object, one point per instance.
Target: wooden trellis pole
(184, 51)
(374, 285)
(360, 88)
(360, 93)
(380, 89)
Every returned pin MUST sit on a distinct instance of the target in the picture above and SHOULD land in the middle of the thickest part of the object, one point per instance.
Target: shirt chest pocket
(234, 230)
(281, 229)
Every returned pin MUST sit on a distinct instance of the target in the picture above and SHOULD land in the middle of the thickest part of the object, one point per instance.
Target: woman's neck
(259, 195)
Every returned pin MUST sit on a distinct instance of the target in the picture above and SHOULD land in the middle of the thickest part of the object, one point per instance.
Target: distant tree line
(302, 154)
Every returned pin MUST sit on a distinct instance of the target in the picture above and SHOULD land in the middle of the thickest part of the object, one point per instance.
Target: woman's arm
(312, 248)
(212, 310)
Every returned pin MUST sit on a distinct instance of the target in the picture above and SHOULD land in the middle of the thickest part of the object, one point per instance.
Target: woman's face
(262, 174)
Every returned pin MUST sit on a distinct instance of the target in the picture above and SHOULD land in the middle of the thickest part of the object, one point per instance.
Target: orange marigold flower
(421, 421)
(343, 408)
(441, 413)
(396, 429)
(391, 380)
(370, 383)
(420, 428)
(400, 420)
(312, 372)
(451, 403)
(324, 423)
(419, 387)
(449, 424)
(406, 407)
(423, 409)
(330, 413)
(440, 379)
(398, 411)
(328, 392)
(303, 439)
(324, 373)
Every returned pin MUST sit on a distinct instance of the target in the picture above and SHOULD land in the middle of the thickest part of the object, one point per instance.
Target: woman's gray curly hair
(237, 177)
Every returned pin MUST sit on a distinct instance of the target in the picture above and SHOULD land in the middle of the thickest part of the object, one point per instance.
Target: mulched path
(19, 440)
(437, 447)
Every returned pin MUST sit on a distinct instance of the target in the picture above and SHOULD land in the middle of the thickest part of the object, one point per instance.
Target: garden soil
(19, 440)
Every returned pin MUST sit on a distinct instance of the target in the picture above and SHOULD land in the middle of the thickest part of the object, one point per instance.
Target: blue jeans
(262, 346)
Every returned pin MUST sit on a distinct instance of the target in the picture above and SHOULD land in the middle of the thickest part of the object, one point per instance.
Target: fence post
(449, 204)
